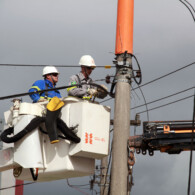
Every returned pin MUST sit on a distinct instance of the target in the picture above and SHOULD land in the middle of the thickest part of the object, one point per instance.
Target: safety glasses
(90, 68)
(54, 74)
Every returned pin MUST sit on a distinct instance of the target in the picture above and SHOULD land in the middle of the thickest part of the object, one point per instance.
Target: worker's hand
(92, 92)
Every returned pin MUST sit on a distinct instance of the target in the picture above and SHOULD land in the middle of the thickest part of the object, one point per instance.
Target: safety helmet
(87, 60)
(49, 70)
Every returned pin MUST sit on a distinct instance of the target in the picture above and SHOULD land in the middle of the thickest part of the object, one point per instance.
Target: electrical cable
(106, 100)
(34, 123)
(145, 102)
(91, 190)
(102, 79)
(79, 185)
(108, 166)
(112, 98)
(157, 78)
(99, 80)
(134, 77)
(133, 97)
(57, 88)
(166, 75)
(189, 5)
(189, 8)
(6, 188)
(64, 87)
(132, 89)
(75, 187)
(111, 130)
(166, 104)
(191, 151)
(163, 98)
(59, 66)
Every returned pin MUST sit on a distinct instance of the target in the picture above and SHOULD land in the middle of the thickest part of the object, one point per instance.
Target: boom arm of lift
(171, 137)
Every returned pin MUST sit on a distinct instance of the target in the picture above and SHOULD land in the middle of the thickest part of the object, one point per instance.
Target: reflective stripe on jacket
(42, 85)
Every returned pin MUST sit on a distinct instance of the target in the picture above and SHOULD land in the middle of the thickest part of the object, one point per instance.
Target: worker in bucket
(50, 75)
(85, 91)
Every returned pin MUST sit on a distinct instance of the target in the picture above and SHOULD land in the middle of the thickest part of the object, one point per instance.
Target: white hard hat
(87, 60)
(49, 70)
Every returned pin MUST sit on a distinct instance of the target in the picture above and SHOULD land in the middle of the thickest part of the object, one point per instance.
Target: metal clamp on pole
(123, 68)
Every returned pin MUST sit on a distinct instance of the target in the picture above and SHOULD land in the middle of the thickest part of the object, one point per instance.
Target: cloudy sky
(48, 32)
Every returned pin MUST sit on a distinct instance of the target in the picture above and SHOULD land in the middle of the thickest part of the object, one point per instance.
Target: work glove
(102, 93)
(92, 92)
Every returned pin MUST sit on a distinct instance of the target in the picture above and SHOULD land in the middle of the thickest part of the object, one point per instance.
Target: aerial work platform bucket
(93, 129)
(34, 154)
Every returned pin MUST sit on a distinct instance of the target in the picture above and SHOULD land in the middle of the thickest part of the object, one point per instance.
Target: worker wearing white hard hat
(85, 91)
(50, 74)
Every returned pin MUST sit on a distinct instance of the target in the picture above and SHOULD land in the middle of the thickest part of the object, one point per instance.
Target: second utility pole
(123, 51)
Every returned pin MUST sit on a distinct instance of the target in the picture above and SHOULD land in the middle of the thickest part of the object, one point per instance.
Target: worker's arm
(76, 91)
(37, 86)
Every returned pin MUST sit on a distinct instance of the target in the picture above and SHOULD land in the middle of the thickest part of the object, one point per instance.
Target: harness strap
(46, 87)
(79, 81)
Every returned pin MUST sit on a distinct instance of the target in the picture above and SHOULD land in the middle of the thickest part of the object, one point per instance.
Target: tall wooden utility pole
(123, 51)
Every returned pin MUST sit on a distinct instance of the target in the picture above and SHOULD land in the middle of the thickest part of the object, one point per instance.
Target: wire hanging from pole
(186, 2)
(144, 102)
(76, 188)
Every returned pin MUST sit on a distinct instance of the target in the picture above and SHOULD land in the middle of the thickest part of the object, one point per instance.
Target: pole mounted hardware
(171, 137)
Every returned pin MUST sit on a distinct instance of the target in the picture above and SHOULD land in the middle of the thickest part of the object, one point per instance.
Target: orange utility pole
(124, 30)
(123, 51)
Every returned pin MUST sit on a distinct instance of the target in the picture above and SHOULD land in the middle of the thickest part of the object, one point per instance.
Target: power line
(16, 186)
(186, 66)
(64, 87)
(167, 104)
(163, 98)
(145, 102)
(154, 100)
(57, 88)
(106, 100)
(76, 188)
(189, 8)
(190, 5)
(59, 66)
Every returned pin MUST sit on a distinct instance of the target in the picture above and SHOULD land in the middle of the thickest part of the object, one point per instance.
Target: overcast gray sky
(61, 31)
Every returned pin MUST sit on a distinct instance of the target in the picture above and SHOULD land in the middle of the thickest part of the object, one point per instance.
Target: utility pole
(123, 51)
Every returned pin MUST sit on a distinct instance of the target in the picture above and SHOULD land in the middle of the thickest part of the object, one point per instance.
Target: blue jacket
(42, 85)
